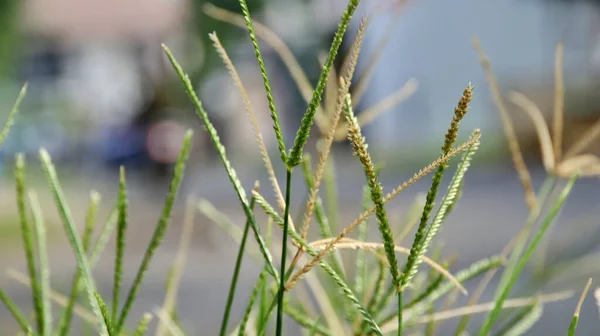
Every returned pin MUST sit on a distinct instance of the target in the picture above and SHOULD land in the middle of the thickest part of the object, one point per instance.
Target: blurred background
(102, 94)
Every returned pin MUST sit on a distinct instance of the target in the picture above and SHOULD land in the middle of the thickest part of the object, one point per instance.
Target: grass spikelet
(348, 293)
(16, 313)
(71, 230)
(307, 120)
(237, 267)
(360, 150)
(575, 320)
(122, 206)
(13, 113)
(251, 115)
(222, 154)
(366, 214)
(42, 255)
(105, 313)
(451, 196)
(505, 291)
(509, 131)
(143, 325)
(418, 248)
(180, 260)
(267, 84)
(28, 243)
(90, 220)
(159, 231)
(335, 118)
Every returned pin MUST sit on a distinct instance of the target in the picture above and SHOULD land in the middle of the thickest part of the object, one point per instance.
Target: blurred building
(432, 42)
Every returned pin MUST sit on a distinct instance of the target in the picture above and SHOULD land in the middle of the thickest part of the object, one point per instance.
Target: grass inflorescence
(337, 282)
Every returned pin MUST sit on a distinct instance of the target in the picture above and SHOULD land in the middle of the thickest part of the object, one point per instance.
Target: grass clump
(352, 296)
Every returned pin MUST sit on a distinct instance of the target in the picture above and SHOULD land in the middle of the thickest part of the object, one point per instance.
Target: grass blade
(236, 269)
(11, 116)
(120, 248)
(575, 320)
(71, 230)
(526, 256)
(90, 220)
(28, 244)
(16, 313)
(160, 229)
(307, 120)
(226, 163)
(42, 250)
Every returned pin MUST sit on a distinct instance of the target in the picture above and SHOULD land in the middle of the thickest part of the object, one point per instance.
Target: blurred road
(490, 212)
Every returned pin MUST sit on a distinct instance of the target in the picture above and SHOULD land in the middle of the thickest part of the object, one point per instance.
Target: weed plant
(384, 289)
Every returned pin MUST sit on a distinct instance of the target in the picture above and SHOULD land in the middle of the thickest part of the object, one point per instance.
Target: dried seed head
(459, 112)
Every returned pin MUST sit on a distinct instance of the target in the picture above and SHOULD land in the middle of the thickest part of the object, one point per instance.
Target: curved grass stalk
(159, 231)
(505, 290)
(12, 114)
(71, 230)
(214, 136)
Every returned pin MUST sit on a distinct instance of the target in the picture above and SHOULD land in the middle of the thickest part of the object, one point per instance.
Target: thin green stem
(120, 246)
(236, 272)
(11, 116)
(28, 244)
(42, 251)
(526, 256)
(288, 182)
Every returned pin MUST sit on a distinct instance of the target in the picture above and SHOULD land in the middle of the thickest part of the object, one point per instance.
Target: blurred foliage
(8, 36)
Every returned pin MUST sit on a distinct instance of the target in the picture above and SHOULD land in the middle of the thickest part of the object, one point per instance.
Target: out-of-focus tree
(8, 35)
